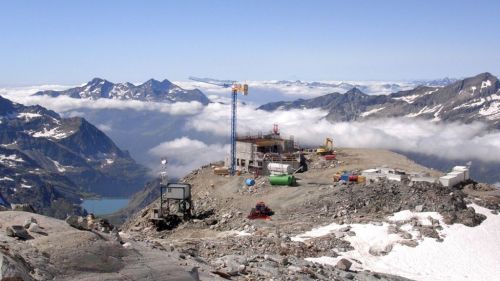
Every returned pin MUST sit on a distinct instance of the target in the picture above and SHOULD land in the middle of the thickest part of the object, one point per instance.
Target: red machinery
(330, 156)
(261, 211)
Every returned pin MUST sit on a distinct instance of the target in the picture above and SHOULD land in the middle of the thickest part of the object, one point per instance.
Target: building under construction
(254, 152)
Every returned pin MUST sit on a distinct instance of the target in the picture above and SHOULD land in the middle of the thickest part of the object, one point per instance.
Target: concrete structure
(423, 178)
(449, 180)
(384, 172)
(252, 152)
(462, 169)
(457, 175)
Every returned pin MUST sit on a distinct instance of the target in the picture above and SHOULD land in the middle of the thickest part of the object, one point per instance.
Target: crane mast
(235, 89)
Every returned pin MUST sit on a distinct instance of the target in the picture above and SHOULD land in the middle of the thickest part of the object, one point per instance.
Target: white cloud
(309, 128)
(30, 90)
(305, 89)
(105, 127)
(185, 154)
(63, 104)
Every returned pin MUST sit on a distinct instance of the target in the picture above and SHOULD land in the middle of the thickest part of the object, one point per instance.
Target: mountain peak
(151, 90)
(355, 91)
(98, 80)
(485, 76)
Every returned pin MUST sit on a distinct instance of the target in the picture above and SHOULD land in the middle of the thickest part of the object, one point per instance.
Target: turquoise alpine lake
(104, 206)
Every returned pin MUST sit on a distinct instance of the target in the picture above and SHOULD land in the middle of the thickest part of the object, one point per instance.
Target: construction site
(239, 215)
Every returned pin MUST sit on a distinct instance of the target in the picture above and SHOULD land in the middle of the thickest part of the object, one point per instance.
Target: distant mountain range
(50, 162)
(151, 90)
(368, 87)
(471, 99)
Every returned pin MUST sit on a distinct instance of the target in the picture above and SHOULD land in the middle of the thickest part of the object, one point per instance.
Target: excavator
(326, 149)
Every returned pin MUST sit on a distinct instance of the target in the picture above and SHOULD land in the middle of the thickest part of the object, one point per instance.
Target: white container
(448, 180)
(394, 177)
(277, 168)
(177, 191)
(423, 179)
(460, 175)
(463, 169)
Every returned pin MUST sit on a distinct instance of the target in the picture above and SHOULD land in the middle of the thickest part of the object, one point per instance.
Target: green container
(282, 180)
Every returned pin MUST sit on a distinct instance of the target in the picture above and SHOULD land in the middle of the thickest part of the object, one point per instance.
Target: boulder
(344, 264)
(34, 227)
(29, 221)
(17, 231)
(377, 251)
(11, 269)
(77, 222)
(419, 208)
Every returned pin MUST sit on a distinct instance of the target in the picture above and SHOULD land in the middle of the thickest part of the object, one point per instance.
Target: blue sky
(68, 42)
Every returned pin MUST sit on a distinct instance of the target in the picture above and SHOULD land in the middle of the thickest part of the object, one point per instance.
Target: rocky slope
(472, 99)
(242, 249)
(53, 250)
(49, 161)
(151, 90)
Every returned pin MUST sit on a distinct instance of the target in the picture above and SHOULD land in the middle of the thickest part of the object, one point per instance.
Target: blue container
(344, 177)
(249, 182)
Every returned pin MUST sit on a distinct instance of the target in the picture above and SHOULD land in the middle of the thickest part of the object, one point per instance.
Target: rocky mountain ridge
(151, 90)
(471, 99)
(49, 161)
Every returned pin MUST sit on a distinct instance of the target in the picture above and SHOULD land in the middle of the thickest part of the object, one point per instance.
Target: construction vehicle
(235, 89)
(326, 149)
(261, 211)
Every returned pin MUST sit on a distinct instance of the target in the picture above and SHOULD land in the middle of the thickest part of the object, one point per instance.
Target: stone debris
(89, 223)
(18, 231)
(344, 264)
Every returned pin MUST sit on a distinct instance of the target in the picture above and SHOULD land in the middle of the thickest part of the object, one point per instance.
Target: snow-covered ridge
(55, 133)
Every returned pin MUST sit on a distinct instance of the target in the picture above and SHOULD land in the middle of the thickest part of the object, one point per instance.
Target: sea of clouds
(455, 141)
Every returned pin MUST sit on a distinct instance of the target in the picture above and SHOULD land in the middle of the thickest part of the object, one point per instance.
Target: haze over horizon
(60, 43)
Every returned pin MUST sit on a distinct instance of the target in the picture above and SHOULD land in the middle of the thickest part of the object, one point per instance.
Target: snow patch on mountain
(485, 84)
(28, 115)
(424, 110)
(492, 111)
(436, 115)
(369, 112)
(55, 133)
(10, 159)
(411, 99)
(460, 256)
(59, 167)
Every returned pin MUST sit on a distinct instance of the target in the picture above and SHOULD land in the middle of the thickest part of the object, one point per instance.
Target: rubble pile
(375, 201)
